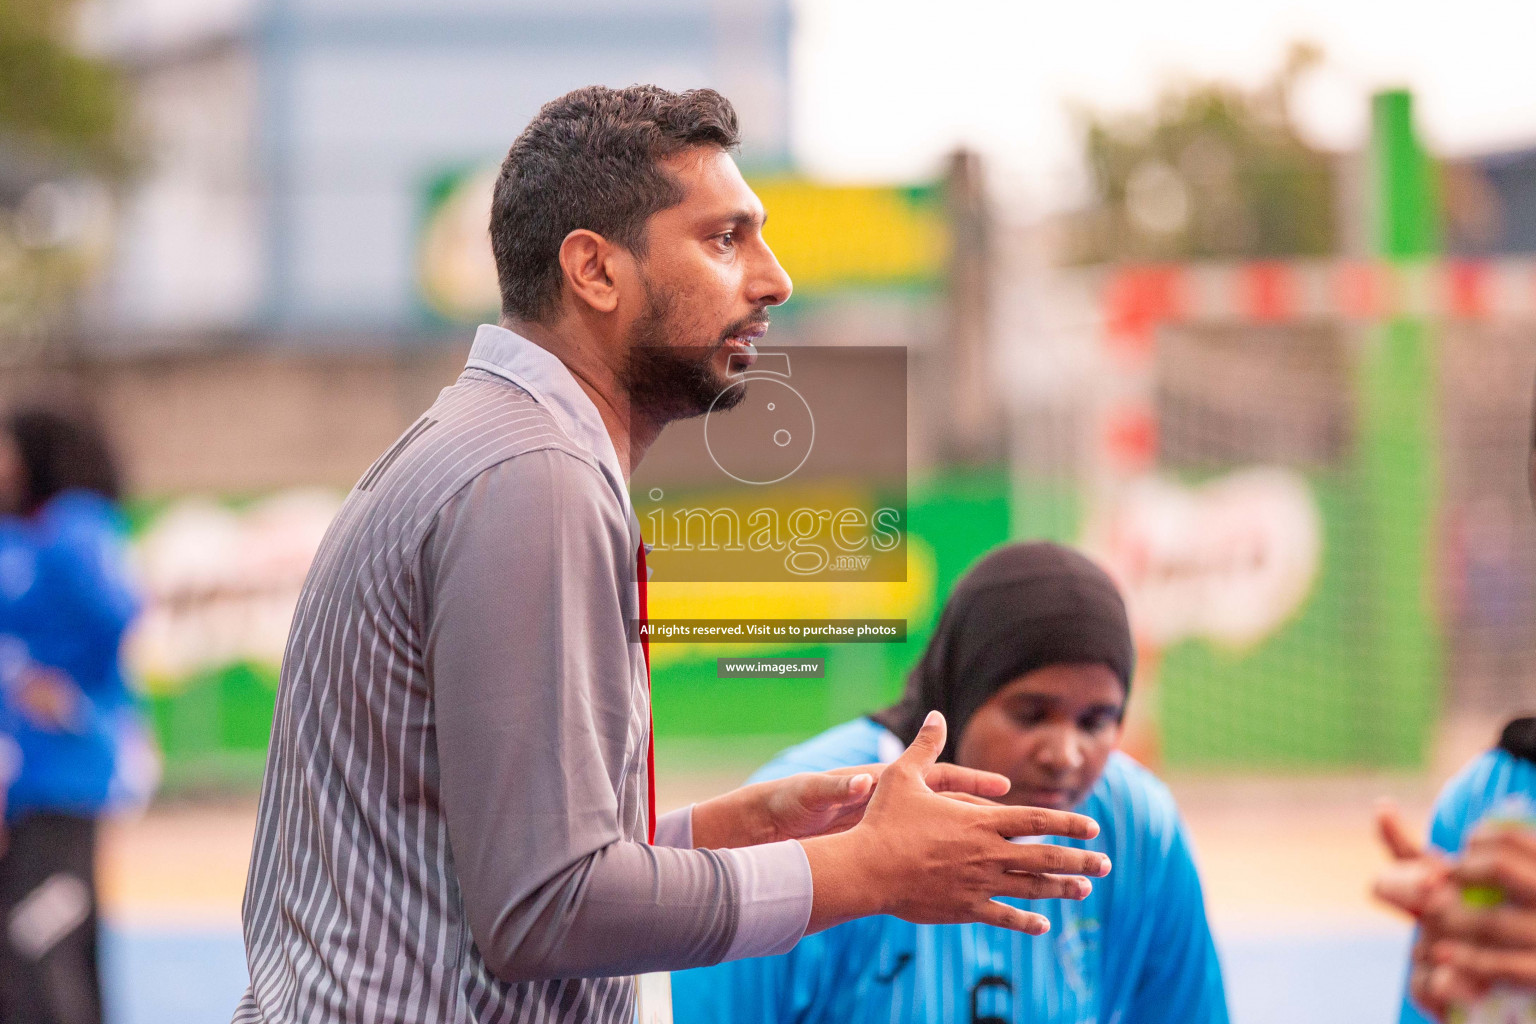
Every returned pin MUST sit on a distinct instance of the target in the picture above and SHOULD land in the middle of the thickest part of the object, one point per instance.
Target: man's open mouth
(742, 347)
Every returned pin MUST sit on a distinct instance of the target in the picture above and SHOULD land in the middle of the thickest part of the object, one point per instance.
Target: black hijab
(1519, 739)
(1023, 607)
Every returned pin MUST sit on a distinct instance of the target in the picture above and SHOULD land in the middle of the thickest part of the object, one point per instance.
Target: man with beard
(457, 819)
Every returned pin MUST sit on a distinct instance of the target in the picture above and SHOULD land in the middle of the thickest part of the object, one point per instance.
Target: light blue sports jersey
(1136, 951)
(1462, 805)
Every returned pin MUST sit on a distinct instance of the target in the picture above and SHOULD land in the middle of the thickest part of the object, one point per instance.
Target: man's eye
(726, 240)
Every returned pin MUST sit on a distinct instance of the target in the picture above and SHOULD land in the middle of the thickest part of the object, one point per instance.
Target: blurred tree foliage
(1210, 171)
(61, 105)
(62, 137)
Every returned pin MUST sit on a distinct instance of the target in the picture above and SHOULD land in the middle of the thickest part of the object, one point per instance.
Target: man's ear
(587, 262)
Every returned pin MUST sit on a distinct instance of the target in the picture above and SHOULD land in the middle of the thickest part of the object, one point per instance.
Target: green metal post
(1398, 458)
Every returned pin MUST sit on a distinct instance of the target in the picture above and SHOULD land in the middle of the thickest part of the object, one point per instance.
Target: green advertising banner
(223, 579)
(221, 582)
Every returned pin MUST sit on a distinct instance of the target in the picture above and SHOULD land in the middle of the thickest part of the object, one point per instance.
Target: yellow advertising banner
(829, 237)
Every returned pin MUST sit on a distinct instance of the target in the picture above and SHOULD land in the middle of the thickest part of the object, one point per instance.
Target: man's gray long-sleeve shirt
(453, 819)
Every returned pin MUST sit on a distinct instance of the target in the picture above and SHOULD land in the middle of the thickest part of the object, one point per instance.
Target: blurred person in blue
(1482, 836)
(1032, 662)
(65, 604)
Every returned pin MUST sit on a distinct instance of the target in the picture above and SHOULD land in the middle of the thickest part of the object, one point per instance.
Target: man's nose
(769, 284)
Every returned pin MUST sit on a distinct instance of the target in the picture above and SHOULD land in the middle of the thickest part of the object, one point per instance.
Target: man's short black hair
(590, 160)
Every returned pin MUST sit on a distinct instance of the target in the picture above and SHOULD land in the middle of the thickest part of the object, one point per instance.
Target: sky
(882, 89)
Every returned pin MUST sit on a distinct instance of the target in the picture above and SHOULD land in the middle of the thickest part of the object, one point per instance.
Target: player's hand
(1416, 880)
(1449, 973)
(1462, 951)
(1434, 990)
(1415, 874)
(1501, 854)
(932, 860)
(1469, 949)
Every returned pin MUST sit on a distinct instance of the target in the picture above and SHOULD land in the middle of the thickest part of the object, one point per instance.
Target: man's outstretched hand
(922, 857)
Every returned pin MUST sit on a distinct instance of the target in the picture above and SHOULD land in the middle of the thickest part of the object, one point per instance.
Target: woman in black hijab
(1033, 633)
(1031, 664)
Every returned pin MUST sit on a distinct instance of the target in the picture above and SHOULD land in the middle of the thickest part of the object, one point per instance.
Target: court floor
(158, 975)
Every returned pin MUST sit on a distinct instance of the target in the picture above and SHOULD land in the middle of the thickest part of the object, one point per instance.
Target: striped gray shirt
(453, 818)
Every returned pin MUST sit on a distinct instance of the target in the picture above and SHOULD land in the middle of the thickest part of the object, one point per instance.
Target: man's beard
(667, 382)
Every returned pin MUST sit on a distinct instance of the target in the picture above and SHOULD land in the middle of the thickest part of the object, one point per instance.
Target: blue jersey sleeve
(1460, 804)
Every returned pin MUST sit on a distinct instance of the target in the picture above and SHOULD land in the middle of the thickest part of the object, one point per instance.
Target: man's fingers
(926, 746)
(1012, 918)
(1024, 886)
(946, 777)
(1394, 832)
(1486, 966)
(1042, 821)
(968, 798)
(1045, 859)
(858, 787)
(821, 792)
(873, 770)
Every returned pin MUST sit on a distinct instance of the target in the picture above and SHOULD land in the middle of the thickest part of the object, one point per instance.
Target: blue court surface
(165, 976)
